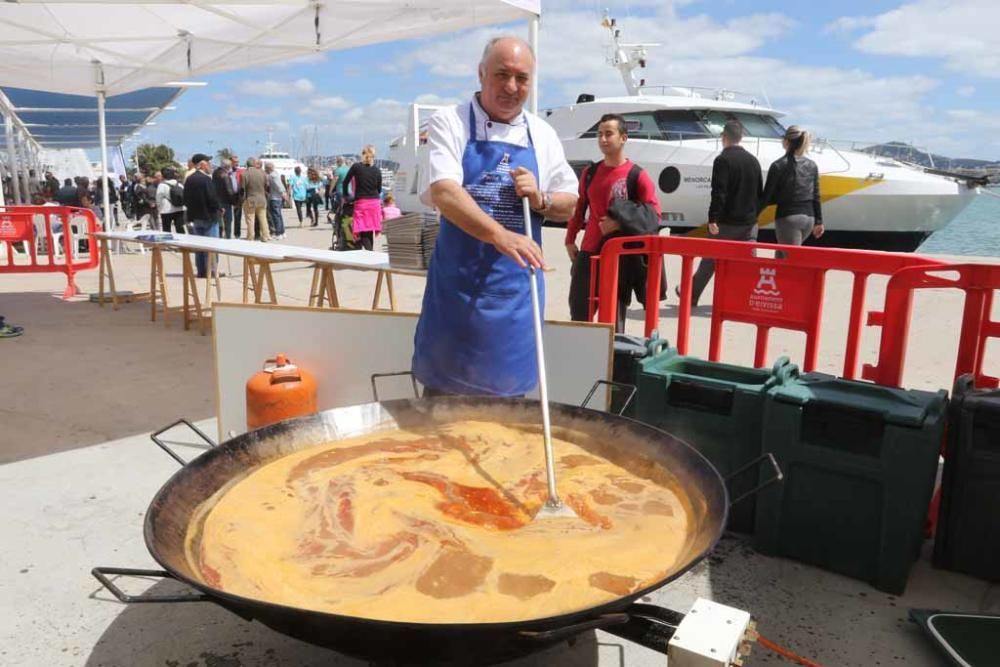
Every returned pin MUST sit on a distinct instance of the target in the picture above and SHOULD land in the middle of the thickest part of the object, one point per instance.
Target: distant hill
(906, 153)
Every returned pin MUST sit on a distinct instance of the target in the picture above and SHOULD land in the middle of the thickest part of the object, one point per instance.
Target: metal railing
(706, 93)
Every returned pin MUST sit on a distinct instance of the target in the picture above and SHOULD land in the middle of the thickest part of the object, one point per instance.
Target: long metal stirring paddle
(553, 507)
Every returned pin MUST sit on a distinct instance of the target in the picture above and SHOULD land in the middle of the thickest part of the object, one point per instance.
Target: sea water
(976, 230)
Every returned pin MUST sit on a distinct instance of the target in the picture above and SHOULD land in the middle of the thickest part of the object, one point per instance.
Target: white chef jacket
(448, 134)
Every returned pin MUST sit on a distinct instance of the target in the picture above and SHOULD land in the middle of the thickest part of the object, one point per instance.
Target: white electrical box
(711, 635)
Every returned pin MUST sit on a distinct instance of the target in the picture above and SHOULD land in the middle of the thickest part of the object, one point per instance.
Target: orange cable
(784, 652)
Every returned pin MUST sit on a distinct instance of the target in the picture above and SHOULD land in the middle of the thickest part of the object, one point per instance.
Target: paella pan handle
(621, 385)
(376, 376)
(600, 623)
(649, 626)
(155, 437)
(778, 476)
(102, 574)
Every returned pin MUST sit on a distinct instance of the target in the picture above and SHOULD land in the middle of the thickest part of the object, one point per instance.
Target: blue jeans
(274, 216)
(204, 228)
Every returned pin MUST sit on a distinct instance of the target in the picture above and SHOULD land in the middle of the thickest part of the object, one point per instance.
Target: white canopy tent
(113, 47)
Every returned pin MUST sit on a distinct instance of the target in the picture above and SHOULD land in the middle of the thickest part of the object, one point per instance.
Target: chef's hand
(713, 229)
(572, 250)
(818, 230)
(608, 225)
(526, 186)
(519, 248)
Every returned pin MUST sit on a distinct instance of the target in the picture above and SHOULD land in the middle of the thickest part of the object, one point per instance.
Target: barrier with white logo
(48, 239)
(766, 285)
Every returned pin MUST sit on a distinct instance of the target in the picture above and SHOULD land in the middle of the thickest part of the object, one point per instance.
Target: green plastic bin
(859, 462)
(968, 530)
(714, 407)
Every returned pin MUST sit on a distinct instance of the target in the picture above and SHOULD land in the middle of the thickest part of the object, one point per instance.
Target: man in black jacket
(736, 192)
(228, 197)
(203, 205)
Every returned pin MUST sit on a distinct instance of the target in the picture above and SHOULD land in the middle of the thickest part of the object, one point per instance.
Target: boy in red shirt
(600, 184)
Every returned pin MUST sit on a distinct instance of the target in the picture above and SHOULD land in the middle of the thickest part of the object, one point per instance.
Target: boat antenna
(625, 57)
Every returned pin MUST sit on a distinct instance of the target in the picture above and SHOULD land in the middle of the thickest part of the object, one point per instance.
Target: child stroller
(342, 219)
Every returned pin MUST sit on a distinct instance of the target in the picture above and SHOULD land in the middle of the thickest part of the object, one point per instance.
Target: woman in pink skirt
(367, 204)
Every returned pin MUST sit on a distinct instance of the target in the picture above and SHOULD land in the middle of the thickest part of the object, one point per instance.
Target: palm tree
(153, 158)
(225, 154)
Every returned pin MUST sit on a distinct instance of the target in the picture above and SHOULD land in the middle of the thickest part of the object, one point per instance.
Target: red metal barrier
(978, 281)
(754, 286)
(46, 239)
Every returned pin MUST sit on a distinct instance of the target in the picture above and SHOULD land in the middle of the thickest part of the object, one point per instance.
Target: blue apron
(475, 332)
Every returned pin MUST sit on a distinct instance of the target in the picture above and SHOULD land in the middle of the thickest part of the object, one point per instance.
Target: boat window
(660, 125)
(679, 124)
(640, 125)
(754, 125)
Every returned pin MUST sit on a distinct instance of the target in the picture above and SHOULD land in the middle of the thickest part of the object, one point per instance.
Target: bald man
(475, 331)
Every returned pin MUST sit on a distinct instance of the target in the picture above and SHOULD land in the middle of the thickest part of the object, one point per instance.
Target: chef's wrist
(541, 201)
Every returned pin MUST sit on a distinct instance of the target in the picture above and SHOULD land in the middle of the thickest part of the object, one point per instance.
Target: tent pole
(15, 177)
(533, 41)
(102, 131)
(25, 165)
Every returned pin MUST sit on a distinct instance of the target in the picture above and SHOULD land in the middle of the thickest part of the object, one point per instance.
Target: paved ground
(89, 379)
(68, 512)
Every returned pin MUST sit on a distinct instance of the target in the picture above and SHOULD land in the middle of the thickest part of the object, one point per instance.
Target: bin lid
(633, 346)
(904, 407)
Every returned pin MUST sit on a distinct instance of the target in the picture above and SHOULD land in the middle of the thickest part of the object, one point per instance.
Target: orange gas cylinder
(281, 391)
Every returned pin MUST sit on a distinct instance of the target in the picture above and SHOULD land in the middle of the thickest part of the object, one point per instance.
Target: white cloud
(847, 24)
(966, 91)
(276, 88)
(963, 33)
(430, 98)
(324, 105)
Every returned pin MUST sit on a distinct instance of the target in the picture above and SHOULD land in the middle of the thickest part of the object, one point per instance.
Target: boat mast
(626, 57)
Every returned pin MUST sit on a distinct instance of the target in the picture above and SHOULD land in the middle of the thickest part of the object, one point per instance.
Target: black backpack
(631, 182)
(177, 194)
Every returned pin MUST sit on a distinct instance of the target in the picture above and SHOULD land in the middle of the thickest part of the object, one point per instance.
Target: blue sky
(924, 71)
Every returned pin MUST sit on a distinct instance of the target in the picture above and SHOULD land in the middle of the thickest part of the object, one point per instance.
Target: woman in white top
(170, 213)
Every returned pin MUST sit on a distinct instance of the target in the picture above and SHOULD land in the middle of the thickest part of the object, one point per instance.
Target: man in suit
(202, 204)
(254, 186)
(228, 194)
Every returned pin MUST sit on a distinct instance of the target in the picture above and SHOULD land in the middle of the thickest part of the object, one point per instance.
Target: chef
(475, 333)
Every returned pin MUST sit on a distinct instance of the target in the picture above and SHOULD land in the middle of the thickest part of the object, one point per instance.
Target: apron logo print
(767, 280)
(504, 166)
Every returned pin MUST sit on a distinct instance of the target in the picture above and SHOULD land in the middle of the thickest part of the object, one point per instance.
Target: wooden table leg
(265, 282)
(191, 294)
(378, 290)
(111, 282)
(162, 277)
(392, 292)
(313, 296)
(185, 276)
(251, 282)
(152, 285)
(330, 286)
(101, 271)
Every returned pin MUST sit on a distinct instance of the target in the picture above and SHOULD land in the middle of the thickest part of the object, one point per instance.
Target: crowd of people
(248, 199)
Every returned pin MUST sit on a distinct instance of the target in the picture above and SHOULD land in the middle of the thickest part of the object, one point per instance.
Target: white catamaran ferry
(674, 133)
